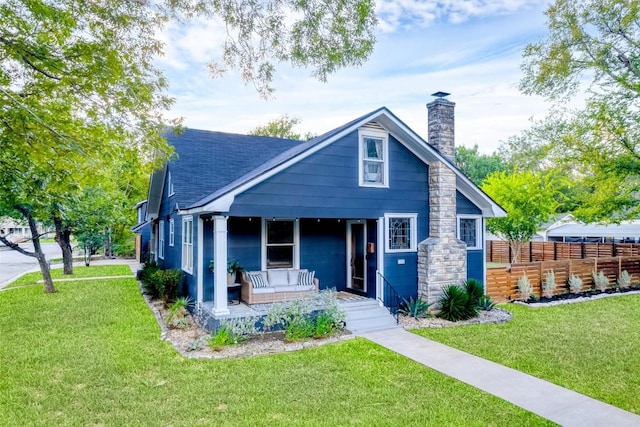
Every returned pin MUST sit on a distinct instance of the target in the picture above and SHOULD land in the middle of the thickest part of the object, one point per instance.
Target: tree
(78, 87)
(593, 47)
(281, 127)
(477, 166)
(529, 198)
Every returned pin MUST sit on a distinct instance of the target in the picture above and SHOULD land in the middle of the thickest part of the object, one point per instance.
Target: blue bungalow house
(368, 203)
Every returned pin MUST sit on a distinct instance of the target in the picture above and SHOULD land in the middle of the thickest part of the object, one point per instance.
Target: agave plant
(417, 308)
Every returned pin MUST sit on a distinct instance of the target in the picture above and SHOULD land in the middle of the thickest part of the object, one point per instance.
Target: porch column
(220, 259)
(199, 260)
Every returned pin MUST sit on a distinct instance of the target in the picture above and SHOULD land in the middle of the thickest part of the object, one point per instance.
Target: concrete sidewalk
(555, 403)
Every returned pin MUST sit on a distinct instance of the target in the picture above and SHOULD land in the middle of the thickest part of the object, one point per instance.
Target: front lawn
(78, 272)
(591, 347)
(91, 355)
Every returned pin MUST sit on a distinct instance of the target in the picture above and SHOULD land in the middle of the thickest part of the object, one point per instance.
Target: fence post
(530, 251)
(555, 251)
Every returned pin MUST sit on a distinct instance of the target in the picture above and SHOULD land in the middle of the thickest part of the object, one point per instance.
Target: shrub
(165, 284)
(298, 321)
(549, 284)
(232, 331)
(624, 280)
(220, 339)
(178, 312)
(575, 284)
(524, 288)
(485, 303)
(145, 275)
(600, 281)
(417, 308)
(457, 304)
(474, 289)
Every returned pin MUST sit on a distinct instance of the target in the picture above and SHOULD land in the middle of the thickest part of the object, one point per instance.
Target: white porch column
(380, 258)
(220, 259)
(199, 267)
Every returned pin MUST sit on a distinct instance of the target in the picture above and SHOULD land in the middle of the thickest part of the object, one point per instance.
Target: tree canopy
(477, 166)
(81, 98)
(282, 127)
(530, 199)
(592, 50)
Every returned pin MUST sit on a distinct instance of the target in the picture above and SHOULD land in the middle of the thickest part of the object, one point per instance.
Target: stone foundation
(441, 262)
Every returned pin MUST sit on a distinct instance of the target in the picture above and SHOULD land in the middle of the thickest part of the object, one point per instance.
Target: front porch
(362, 313)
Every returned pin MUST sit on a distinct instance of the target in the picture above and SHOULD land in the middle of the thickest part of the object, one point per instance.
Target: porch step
(366, 316)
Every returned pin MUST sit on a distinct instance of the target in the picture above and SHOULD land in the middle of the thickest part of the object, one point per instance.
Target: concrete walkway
(555, 403)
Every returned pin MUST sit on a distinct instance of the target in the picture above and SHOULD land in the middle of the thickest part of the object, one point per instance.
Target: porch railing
(390, 297)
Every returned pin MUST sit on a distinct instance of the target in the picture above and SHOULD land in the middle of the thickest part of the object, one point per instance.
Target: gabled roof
(199, 153)
(242, 161)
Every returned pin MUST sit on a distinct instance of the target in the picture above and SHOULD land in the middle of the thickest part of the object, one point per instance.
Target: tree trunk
(63, 238)
(515, 248)
(37, 248)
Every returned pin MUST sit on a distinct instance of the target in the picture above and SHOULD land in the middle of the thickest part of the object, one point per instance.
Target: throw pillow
(257, 280)
(305, 278)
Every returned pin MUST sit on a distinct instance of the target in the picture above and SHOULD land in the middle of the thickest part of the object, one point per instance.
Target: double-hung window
(187, 244)
(470, 231)
(400, 232)
(373, 157)
(161, 240)
(280, 248)
(172, 232)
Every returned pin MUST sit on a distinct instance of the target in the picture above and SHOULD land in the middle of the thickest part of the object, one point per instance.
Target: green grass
(591, 347)
(90, 354)
(78, 272)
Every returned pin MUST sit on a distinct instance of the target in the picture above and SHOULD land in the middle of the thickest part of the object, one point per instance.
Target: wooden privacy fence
(502, 283)
(499, 251)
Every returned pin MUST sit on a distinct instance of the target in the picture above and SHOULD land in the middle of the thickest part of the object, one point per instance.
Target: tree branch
(16, 247)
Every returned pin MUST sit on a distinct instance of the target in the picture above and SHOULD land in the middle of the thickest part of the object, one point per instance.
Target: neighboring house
(17, 231)
(568, 229)
(367, 202)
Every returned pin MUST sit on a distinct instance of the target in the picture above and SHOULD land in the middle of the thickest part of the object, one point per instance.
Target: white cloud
(394, 14)
(478, 62)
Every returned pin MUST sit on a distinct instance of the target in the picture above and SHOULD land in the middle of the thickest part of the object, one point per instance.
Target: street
(13, 263)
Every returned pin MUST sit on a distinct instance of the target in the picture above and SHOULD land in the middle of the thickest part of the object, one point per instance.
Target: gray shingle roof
(207, 161)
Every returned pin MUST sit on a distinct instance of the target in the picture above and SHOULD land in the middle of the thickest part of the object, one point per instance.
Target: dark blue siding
(474, 265)
(207, 257)
(465, 207)
(244, 240)
(325, 185)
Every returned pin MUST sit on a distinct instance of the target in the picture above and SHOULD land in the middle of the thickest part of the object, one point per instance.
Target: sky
(469, 48)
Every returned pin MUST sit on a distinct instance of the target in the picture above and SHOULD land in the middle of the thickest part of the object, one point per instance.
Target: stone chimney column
(441, 127)
(442, 258)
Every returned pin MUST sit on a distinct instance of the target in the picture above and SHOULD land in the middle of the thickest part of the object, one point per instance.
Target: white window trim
(479, 233)
(172, 232)
(161, 239)
(413, 223)
(187, 261)
(362, 133)
(296, 242)
(171, 189)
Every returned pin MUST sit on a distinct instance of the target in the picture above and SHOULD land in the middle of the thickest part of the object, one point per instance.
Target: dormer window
(374, 154)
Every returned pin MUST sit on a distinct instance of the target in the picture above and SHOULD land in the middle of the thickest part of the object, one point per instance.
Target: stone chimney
(442, 258)
(441, 125)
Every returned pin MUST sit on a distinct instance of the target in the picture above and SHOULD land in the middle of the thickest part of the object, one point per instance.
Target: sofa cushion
(258, 279)
(305, 278)
(294, 276)
(265, 290)
(277, 277)
(285, 288)
(303, 288)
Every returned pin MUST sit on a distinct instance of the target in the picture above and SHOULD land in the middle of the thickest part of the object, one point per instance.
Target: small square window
(469, 232)
(401, 233)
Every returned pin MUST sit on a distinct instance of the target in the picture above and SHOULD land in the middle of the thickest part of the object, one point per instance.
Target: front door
(356, 256)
